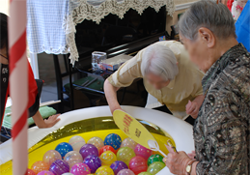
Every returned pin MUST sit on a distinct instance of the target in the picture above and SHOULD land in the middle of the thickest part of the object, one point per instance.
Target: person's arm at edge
(47, 123)
(111, 96)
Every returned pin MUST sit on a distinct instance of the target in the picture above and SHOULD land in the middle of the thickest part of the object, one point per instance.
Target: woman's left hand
(176, 161)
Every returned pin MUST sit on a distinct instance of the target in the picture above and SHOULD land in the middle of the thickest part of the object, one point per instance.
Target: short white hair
(159, 60)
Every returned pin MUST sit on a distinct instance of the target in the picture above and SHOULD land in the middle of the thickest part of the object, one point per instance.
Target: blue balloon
(63, 148)
(113, 140)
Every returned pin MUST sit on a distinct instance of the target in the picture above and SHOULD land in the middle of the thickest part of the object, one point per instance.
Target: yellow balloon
(108, 157)
(104, 170)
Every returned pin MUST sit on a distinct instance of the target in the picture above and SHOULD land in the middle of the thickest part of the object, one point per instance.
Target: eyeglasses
(3, 56)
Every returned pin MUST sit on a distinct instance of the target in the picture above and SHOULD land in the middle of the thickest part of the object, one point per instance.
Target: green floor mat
(44, 110)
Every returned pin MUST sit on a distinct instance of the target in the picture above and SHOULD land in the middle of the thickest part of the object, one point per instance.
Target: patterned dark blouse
(222, 129)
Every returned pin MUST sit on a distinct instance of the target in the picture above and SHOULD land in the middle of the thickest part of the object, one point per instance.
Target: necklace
(3, 56)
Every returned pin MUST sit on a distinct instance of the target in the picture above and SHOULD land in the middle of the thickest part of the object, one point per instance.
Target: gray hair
(159, 60)
(215, 17)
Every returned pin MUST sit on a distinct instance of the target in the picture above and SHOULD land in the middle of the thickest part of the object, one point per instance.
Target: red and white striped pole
(18, 84)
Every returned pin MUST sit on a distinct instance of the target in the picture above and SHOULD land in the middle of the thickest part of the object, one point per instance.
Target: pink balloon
(142, 151)
(126, 172)
(80, 169)
(45, 173)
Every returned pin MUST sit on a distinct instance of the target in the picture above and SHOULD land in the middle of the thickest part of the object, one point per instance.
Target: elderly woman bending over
(222, 129)
(168, 75)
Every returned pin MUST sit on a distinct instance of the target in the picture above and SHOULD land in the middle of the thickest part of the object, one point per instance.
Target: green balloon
(155, 158)
(156, 167)
(125, 154)
(145, 173)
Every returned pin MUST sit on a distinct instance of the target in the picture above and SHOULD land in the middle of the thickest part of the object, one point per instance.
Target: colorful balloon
(113, 140)
(126, 172)
(88, 150)
(125, 154)
(155, 167)
(50, 156)
(63, 148)
(59, 167)
(138, 164)
(128, 142)
(142, 151)
(118, 166)
(155, 158)
(73, 158)
(93, 163)
(104, 170)
(106, 148)
(77, 142)
(145, 173)
(108, 158)
(39, 166)
(80, 169)
(45, 173)
(31, 172)
(97, 142)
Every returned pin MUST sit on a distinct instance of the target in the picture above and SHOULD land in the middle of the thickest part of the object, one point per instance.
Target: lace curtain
(96, 10)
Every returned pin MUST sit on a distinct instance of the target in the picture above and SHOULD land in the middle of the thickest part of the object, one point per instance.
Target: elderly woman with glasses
(222, 129)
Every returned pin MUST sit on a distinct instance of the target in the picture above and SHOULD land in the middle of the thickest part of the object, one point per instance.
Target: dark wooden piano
(114, 36)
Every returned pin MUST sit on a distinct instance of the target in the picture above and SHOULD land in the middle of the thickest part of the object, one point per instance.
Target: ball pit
(49, 142)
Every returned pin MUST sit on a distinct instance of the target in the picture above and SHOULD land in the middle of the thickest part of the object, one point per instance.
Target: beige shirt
(185, 86)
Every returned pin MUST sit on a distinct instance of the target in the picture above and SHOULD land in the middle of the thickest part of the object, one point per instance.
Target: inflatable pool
(97, 121)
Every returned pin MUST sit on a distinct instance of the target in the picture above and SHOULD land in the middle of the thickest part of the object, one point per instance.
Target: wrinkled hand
(176, 162)
(192, 108)
(192, 155)
(52, 120)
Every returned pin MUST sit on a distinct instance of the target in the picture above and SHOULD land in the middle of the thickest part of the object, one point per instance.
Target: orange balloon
(39, 166)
